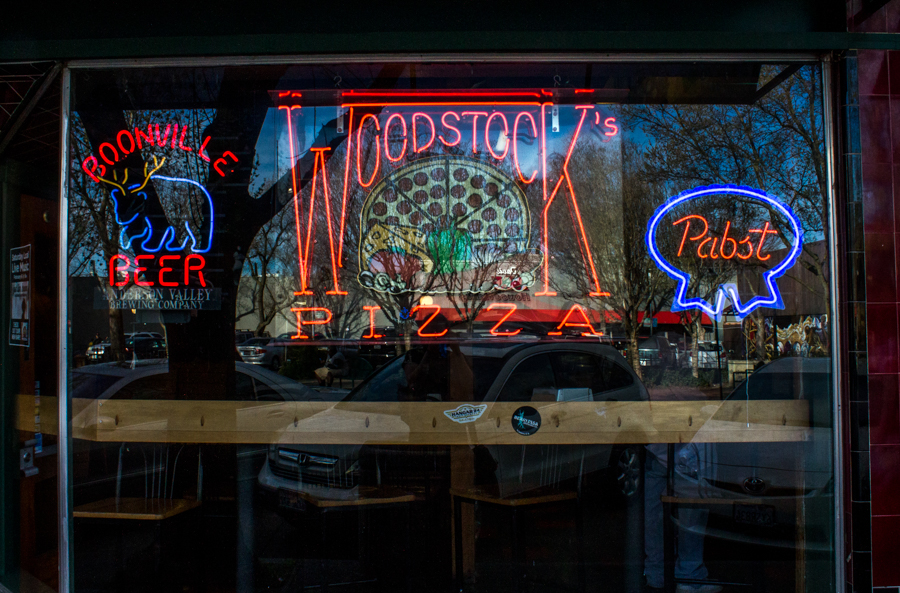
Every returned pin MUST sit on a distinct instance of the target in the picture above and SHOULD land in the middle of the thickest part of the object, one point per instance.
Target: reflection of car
(379, 350)
(102, 352)
(267, 352)
(150, 380)
(774, 475)
(463, 377)
(657, 351)
(144, 348)
(707, 357)
(241, 336)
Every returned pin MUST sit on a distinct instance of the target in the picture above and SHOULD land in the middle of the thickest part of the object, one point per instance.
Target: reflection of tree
(266, 287)
(617, 201)
(706, 276)
(775, 144)
(93, 232)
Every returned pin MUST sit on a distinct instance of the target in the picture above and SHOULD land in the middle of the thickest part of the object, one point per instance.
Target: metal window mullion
(837, 409)
(64, 446)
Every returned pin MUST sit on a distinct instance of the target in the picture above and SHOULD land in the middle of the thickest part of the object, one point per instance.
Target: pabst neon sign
(694, 246)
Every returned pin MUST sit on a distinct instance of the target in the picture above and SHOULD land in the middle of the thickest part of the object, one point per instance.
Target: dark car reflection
(466, 376)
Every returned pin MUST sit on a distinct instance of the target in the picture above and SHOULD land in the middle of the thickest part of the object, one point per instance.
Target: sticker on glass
(466, 413)
(526, 421)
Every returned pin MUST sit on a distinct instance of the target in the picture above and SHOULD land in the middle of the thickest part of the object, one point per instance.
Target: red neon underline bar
(445, 104)
(388, 93)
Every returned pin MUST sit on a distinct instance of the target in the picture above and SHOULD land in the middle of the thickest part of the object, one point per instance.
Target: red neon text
(415, 131)
(436, 311)
(576, 308)
(122, 270)
(299, 311)
(130, 140)
(403, 133)
(511, 308)
(372, 335)
(725, 247)
(609, 122)
(586, 252)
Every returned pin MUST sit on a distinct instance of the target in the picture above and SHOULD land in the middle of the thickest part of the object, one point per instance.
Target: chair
(549, 492)
(158, 503)
(382, 494)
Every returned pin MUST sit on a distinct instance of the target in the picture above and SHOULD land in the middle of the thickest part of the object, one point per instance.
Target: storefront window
(434, 325)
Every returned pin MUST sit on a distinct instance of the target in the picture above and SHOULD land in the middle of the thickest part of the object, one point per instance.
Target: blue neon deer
(130, 202)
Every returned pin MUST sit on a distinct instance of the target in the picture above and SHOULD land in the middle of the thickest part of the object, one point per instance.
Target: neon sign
(697, 240)
(409, 233)
(321, 316)
(160, 261)
(723, 252)
(120, 270)
(128, 141)
(446, 224)
(574, 317)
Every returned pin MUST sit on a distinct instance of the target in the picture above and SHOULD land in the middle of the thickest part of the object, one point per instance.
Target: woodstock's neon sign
(496, 123)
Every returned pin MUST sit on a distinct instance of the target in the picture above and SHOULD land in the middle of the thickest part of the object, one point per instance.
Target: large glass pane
(491, 326)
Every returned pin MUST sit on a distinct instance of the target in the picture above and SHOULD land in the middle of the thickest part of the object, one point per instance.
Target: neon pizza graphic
(697, 239)
(444, 224)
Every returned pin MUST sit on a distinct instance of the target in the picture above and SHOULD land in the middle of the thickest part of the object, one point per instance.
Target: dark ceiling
(29, 113)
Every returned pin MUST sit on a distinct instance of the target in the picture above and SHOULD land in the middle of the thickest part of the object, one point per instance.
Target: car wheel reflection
(628, 471)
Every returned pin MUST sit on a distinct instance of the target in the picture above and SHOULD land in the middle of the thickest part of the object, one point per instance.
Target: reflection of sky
(272, 149)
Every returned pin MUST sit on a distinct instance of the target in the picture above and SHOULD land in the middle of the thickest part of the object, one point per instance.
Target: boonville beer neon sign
(129, 199)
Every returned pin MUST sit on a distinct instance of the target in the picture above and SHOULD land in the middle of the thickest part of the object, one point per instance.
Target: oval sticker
(526, 421)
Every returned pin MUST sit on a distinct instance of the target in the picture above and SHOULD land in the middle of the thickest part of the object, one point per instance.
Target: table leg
(408, 548)
(518, 562)
(322, 559)
(579, 531)
(457, 540)
(668, 525)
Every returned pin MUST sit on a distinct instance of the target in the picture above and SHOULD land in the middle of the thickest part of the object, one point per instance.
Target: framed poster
(20, 296)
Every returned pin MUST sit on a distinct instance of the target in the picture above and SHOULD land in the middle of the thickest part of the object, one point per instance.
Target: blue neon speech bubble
(725, 291)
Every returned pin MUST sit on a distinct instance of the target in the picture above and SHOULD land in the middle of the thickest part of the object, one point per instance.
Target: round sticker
(526, 421)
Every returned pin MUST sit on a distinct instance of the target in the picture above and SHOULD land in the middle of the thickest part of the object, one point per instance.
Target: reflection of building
(800, 329)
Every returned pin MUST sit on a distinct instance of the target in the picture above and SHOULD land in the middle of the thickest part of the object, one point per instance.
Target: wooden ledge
(711, 501)
(135, 509)
(525, 499)
(367, 496)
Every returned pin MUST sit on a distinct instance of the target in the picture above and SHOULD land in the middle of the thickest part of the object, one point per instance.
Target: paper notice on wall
(20, 296)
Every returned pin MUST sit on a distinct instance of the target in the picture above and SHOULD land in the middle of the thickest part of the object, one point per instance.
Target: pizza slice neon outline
(725, 291)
